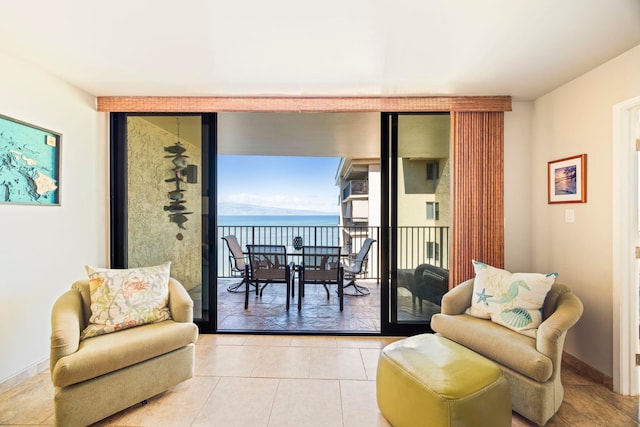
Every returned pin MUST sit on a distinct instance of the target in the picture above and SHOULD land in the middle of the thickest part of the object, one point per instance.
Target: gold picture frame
(567, 180)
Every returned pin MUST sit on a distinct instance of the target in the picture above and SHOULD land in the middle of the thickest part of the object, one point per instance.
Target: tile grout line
(204, 403)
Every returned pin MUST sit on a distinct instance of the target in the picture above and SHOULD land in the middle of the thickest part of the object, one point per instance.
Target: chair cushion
(500, 344)
(513, 300)
(124, 298)
(107, 353)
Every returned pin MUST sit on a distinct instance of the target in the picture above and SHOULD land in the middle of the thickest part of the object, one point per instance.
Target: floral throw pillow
(510, 299)
(124, 298)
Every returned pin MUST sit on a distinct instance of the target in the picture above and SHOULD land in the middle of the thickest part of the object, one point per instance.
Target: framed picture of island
(567, 180)
(29, 163)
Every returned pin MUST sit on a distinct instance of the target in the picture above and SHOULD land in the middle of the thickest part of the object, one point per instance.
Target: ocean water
(281, 229)
(278, 220)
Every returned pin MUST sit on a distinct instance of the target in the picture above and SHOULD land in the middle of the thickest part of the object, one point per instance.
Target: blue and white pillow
(510, 299)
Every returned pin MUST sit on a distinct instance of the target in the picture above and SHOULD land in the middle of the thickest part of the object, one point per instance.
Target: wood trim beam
(186, 104)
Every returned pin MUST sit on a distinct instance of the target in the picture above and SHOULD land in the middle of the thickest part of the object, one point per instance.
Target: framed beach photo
(29, 163)
(567, 180)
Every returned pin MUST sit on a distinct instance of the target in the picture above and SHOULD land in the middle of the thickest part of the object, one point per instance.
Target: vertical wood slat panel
(477, 154)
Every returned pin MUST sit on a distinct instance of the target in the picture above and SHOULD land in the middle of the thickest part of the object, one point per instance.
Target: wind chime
(176, 206)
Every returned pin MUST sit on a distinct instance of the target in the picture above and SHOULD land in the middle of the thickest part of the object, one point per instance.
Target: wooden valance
(186, 104)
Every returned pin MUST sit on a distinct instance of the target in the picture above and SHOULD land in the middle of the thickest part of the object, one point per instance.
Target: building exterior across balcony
(422, 187)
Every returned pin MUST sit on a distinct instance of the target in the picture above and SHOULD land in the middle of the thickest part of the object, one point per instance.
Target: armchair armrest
(180, 303)
(458, 299)
(67, 321)
(551, 332)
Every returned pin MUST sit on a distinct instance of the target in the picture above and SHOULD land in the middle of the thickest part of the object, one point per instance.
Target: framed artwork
(29, 163)
(567, 180)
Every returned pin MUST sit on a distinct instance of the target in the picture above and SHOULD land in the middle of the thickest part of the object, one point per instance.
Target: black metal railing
(423, 245)
(416, 245)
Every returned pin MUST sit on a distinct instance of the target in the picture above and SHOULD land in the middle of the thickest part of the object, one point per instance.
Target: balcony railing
(416, 245)
(419, 245)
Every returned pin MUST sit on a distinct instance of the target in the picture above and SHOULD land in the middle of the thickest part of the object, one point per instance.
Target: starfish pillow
(510, 299)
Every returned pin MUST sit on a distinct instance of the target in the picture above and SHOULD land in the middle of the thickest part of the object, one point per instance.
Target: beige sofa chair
(100, 376)
(531, 365)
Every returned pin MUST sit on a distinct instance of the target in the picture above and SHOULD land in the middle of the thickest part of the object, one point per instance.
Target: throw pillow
(510, 299)
(124, 298)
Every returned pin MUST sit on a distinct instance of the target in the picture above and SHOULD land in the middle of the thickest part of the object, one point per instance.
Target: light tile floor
(279, 381)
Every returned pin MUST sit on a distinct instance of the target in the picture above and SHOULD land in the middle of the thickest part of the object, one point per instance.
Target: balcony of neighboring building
(355, 189)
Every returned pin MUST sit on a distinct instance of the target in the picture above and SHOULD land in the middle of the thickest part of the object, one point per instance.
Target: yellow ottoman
(428, 380)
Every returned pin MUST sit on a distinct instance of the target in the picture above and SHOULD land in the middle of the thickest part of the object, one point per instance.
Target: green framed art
(29, 163)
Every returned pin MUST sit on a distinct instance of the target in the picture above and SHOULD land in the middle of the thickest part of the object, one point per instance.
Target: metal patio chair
(358, 266)
(320, 265)
(268, 264)
(237, 261)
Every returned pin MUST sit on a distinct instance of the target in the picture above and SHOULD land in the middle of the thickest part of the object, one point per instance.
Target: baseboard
(24, 375)
(587, 370)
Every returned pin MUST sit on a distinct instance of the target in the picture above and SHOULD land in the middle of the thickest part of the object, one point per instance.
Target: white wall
(574, 119)
(517, 187)
(44, 248)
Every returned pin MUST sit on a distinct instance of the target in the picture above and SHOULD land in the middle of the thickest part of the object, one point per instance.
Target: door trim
(625, 232)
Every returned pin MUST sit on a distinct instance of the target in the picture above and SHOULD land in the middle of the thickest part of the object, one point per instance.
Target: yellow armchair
(99, 376)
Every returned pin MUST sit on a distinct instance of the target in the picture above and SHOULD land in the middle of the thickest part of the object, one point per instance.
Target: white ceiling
(333, 47)
(353, 135)
(521, 48)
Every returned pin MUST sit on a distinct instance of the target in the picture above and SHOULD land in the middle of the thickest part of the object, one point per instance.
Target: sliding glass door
(415, 158)
(160, 174)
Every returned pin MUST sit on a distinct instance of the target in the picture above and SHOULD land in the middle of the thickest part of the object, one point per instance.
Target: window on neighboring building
(433, 170)
(433, 211)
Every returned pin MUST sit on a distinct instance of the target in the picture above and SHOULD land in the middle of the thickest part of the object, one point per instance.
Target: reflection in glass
(423, 211)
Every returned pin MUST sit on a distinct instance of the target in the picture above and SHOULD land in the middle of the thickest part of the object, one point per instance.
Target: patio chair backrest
(361, 257)
(321, 262)
(267, 261)
(236, 257)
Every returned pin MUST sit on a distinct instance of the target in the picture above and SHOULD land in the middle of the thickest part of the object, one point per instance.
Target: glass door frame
(118, 208)
(389, 230)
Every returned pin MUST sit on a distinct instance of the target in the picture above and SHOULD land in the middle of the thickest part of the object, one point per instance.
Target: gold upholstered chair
(531, 363)
(97, 372)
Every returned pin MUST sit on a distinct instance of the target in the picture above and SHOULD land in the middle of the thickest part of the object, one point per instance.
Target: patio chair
(357, 266)
(237, 261)
(268, 264)
(320, 265)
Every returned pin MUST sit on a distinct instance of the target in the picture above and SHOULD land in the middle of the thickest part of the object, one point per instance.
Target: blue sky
(284, 182)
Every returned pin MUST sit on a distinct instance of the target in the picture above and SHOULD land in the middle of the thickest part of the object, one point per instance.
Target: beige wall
(517, 184)
(44, 248)
(374, 195)
(574, 119)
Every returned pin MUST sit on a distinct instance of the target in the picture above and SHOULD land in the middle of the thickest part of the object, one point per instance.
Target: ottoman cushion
(428, 380)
